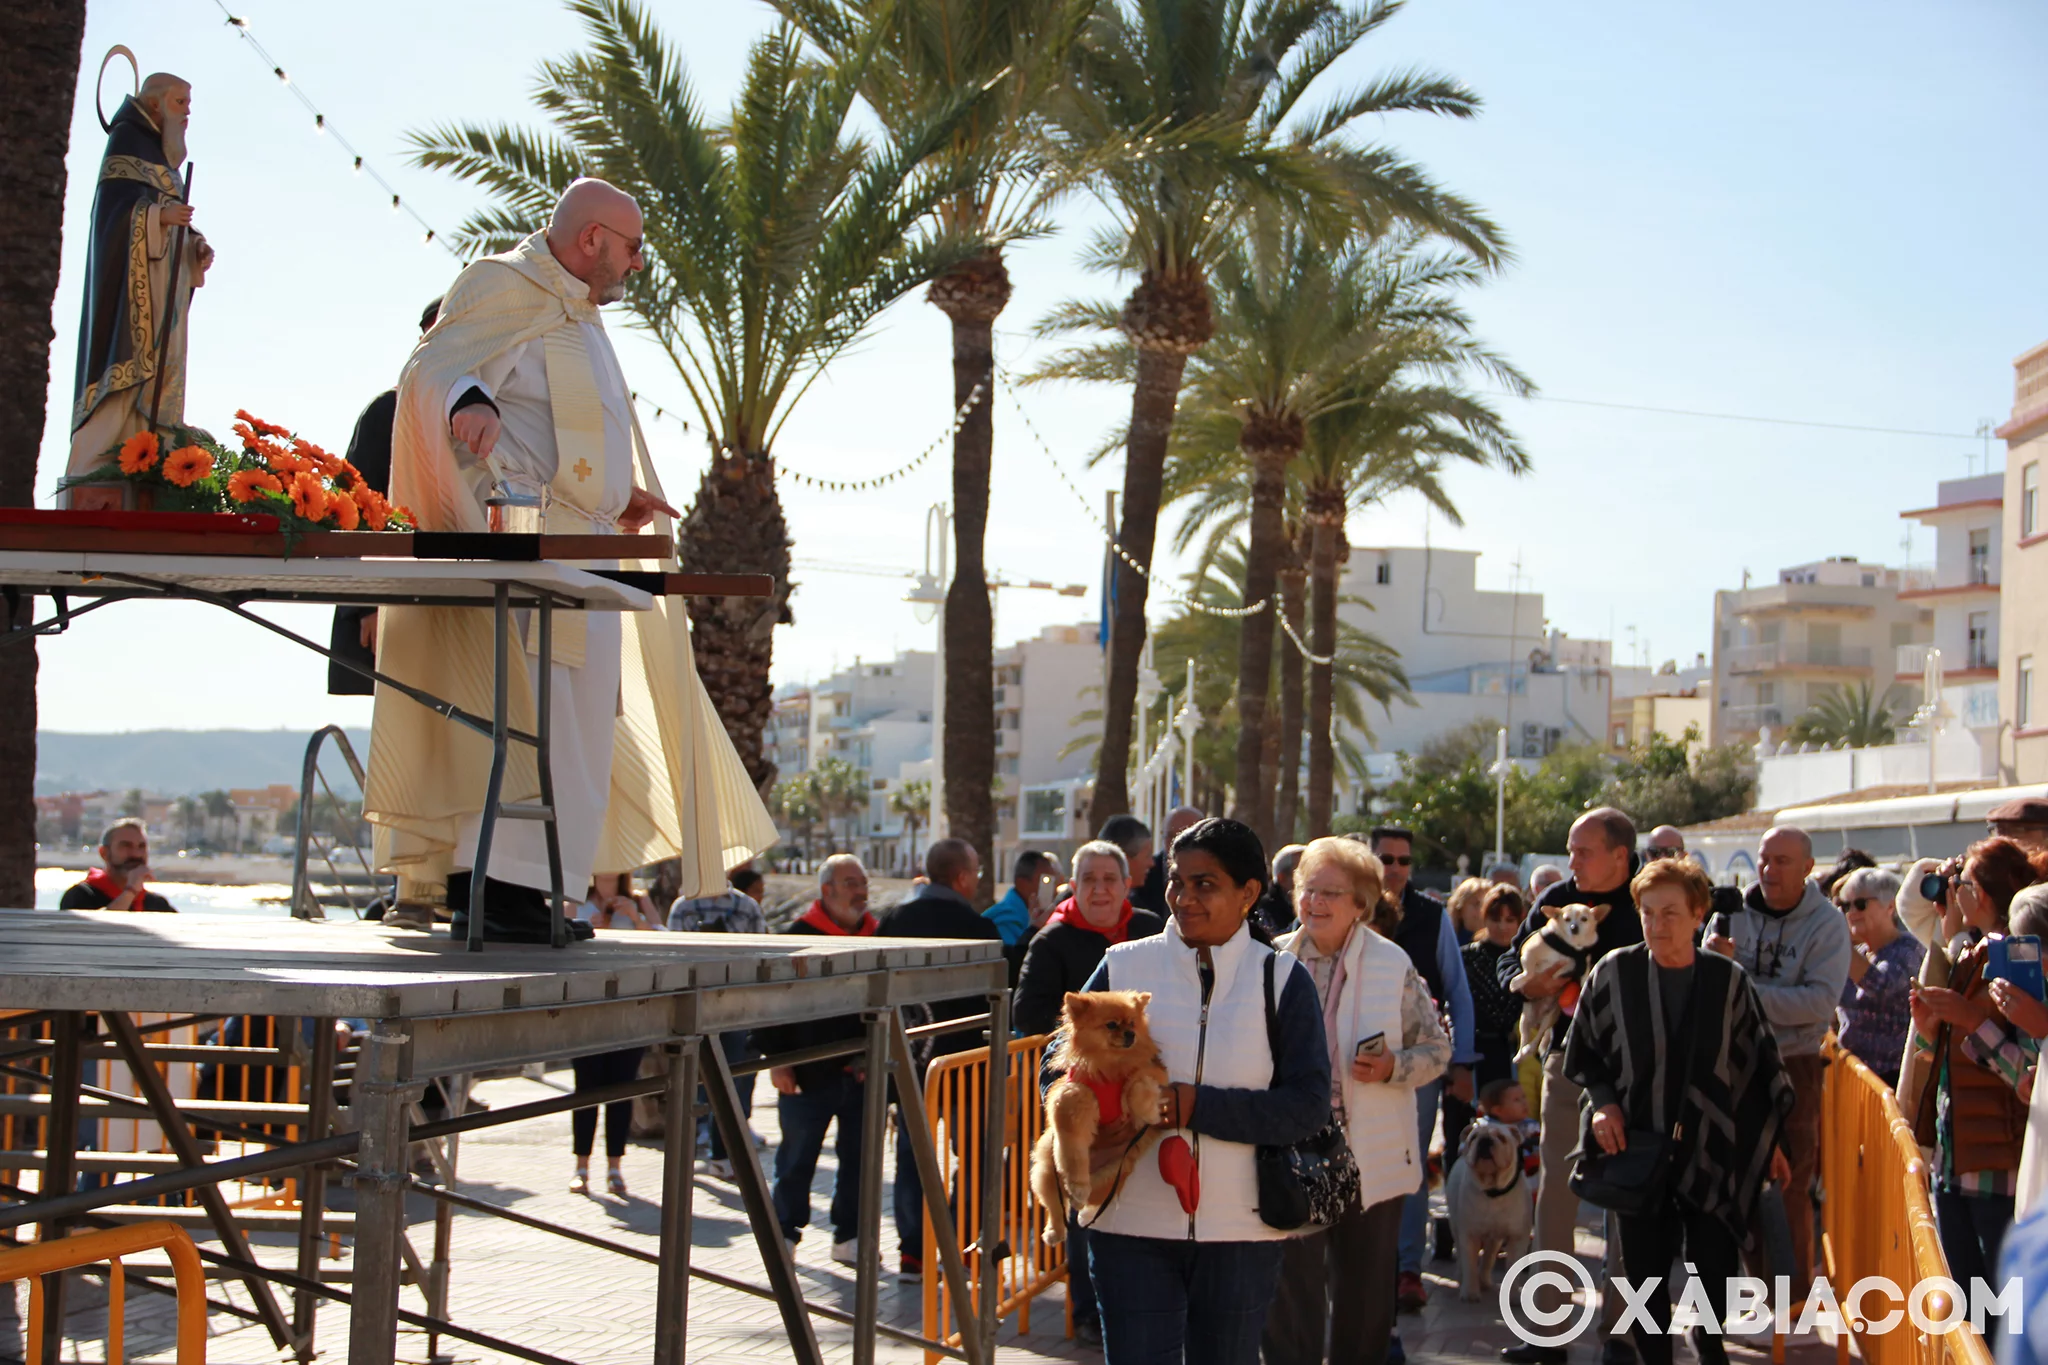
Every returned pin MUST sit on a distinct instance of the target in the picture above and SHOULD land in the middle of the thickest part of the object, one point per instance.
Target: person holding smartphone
(1386, 1039)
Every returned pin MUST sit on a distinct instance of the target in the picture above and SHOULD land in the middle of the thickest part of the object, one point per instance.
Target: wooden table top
(239, 964)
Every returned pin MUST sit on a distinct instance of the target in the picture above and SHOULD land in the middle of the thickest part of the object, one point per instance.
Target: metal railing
(1877, 1219)
(38, 1259)
(955, 1100)
(312, 837)
(1771, 658)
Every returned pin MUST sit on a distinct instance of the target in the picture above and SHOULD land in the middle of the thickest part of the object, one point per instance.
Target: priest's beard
(174, 141)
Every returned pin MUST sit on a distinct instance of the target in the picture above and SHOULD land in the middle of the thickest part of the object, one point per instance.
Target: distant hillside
(181, 762)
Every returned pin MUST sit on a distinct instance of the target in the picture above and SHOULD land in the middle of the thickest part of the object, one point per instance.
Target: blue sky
(1820, 211)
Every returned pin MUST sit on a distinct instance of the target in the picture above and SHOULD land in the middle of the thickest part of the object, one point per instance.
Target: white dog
(1489, 1203)
(1564, 942)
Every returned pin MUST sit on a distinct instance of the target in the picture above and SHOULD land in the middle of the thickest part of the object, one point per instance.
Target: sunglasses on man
(1397, 859)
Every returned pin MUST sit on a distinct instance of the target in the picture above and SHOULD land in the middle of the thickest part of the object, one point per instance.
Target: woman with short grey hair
(1876, 1008)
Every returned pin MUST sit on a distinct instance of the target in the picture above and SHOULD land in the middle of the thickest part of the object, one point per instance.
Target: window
(2030, 499)
(1384, 573)
(1979, 653)
(2023, 691)
(1766, 693)
(1902, 633)
(1980, 556)
(1824, 643)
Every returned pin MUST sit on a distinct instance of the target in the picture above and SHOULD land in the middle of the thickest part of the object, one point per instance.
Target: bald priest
(517, 384)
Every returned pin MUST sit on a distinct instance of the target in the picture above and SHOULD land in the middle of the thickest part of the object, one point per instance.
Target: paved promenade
(597, 1308)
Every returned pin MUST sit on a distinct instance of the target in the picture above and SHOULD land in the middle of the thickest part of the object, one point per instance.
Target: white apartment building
(1044, 760)
(2023, 625)
(1781, 647)
(1473, 654)
(1967, 518)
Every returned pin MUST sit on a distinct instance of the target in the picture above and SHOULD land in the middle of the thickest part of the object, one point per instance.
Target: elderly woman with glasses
(1876, 1005)
(1974, 1114)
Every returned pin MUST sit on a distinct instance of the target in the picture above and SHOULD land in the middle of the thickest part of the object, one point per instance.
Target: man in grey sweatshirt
(1794, 944)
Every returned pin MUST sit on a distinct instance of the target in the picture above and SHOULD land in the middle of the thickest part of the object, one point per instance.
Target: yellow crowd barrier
(90, 1248)
(1878, 1220)
(956, 1104)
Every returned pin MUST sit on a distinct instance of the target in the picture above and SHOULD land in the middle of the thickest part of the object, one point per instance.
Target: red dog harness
(1109, 1096)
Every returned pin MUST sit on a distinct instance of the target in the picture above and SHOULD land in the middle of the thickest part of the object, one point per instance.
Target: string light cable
(321, 124)
(1109, 537)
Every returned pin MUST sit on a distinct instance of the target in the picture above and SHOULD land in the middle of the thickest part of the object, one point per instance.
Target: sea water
(263, 898)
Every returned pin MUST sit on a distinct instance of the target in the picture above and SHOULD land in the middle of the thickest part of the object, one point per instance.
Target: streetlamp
(1500, 795)
(929, 600)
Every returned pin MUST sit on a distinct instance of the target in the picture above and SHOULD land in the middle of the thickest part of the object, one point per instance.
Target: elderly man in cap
(2024, 821)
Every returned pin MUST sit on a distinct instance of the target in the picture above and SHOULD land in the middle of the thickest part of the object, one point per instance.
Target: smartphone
(2016, 958)
(1718, 926)
(1372, 1047)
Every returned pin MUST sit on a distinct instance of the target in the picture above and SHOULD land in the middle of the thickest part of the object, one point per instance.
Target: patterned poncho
(1735, 1100)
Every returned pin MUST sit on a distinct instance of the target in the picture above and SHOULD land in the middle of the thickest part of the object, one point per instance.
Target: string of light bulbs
(321, 124)
(903, 471)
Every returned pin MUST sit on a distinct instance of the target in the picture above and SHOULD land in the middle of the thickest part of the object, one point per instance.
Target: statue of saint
(142, 264)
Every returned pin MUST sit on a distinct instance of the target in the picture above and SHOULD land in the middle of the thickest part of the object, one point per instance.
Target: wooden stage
(436, 1010)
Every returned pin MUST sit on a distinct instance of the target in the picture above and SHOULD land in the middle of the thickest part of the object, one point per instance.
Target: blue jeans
(1973, 1228)
(1415, 1211)
(1166, 1301)
(909, 1198)
(709, 1139)
(805, 1117)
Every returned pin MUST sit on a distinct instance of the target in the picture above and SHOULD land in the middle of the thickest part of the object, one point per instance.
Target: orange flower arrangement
(187, 465)
(347, 516)
(138, 452)
(246, 485)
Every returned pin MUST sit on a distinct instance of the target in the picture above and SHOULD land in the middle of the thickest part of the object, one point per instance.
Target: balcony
(1980, 657)
(1009, 742)
(1736, 719)
(1781, 658)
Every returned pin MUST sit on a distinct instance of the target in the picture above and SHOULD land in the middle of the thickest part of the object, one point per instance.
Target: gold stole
(579, 482)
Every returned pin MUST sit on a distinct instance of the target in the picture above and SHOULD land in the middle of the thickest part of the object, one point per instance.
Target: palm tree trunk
(1268, 457)
(735, 525)
(972, 297)
(1168, 320)
(42, 39)
(1322, 756)
(1287, 798)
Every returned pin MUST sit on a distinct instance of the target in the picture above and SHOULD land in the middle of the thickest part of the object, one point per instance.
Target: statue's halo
(117, 50)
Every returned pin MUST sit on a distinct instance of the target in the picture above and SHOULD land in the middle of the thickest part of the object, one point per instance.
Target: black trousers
(512, 913)
(605, 1068)
(1650, 1243)
(1337, 1287)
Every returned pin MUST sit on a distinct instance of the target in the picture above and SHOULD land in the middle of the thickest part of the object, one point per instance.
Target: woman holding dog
(1184, 1267)
(1669, 1037)
(1384, 1037)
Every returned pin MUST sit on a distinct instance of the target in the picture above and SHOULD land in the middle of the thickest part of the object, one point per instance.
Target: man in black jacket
(816, 1094)
(1602, 846)
(942, 908)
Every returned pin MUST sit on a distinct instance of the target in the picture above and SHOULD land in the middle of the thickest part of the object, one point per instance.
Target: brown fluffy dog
(1112, 1075)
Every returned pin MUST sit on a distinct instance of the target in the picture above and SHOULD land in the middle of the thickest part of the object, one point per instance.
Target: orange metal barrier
(89, 1248)
(1878, 1219)
(956, 1103)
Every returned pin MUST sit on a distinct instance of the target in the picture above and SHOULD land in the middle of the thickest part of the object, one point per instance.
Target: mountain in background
(183, 762)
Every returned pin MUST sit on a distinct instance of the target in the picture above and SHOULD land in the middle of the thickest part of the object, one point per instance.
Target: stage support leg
(910, 1096)
(678, 1188)
(874, 1138)
(380, 1105)
(59, 1175)
(313, 1184)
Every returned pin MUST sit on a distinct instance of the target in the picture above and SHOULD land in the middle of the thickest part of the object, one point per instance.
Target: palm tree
(189, 813)
(1852, 716)
(842, 794)
(220, 809)
(1396, 438)
(775, 237)
(1367, 674)
(42, 39)
(794, 801)
(916, 55)
(1185, 113)
(911, 800)
(1308, 333)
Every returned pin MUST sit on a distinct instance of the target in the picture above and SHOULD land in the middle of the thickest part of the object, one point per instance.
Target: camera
(1934, 885)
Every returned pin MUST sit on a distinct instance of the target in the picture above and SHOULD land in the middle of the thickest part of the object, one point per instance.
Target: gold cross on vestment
(581, 469)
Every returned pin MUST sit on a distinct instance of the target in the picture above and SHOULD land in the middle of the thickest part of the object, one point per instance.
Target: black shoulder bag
(1637, 1179)
(1314, 1181)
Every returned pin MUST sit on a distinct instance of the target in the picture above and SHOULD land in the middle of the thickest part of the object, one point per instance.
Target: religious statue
(143, 261)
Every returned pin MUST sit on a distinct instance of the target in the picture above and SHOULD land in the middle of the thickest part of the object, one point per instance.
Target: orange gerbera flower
(266, 428)
(187, 465)
(371, 504)
(314, 456)
(309, 496)
(347, 516)
(138, 452)
(247, 485)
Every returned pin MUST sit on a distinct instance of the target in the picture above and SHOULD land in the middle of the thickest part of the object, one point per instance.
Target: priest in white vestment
(517, 385)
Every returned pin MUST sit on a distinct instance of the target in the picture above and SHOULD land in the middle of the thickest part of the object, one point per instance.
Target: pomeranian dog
(1564, 942)
(1489, 1205)
(1112, 1074)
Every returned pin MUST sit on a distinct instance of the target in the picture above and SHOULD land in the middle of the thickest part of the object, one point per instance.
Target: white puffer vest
(1233, 1053)
(1379, 1119)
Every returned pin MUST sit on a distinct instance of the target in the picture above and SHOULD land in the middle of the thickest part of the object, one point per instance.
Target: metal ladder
(307, 842)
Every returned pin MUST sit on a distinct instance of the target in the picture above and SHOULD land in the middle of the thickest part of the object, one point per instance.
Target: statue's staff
(163, 341)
